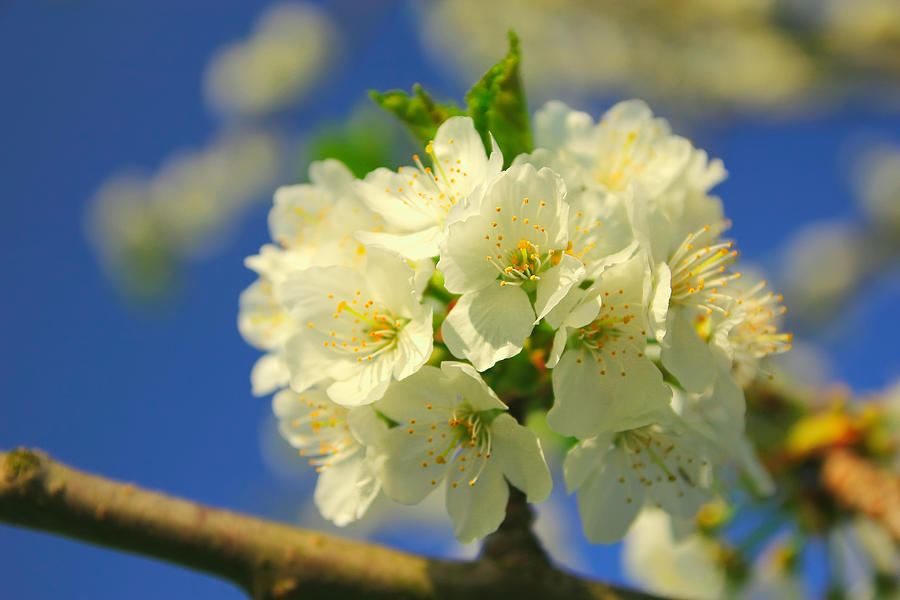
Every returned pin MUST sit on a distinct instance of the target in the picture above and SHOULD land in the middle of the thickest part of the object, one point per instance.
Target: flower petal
(414, 246)
(556, 283)
(609, 501)
(462, 380)
(685, 353)
(489, 325)
(346, 489)
(366, 426)
(269, 374)
(458, 148)
(521, 459)
(366, 384)
(583, 458)
(402, 475)
(408, 398)
(478, 509)
(557, 126)
(591, 397)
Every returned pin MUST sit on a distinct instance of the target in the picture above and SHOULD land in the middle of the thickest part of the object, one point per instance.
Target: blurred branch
(859, 485)
(270, 560)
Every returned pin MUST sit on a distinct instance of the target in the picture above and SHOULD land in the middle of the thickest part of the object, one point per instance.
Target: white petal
(685, 353)
(305, 293)
(414, 344)
(759, 477)
(262, 321)
(556, 283)
(559, 345)
(659, 301)
(591, 397)
(381, 193)
(461, 379)
(366, 426)
(424, 269)
(402, 475)
(557, 126)
(583, 458)
(578, 308)
(572, 173)
(331, 174)
(458, 145)
(463, 256)
(521, 459)
(477, 510)
(289, 405)
(390, 281)
(489, 325)
(366, 384)
(414, 246)
(407, 399)
(269, 374)
(307, 364)
(609, 501)
(346, 489)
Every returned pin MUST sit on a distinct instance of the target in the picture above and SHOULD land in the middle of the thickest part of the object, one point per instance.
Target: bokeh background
(140, 143)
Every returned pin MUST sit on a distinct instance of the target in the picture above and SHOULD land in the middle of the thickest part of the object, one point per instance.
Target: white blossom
(604, 381)
(692, 306)
(616, 473)
(288, 51)
(360, 328)
(326, 434)
(313, 224)
(452, 428)
(508, 260)
(419, 201)
(686, 567)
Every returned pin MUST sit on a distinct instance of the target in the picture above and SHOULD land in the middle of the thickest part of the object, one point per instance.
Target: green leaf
(419, 112)
(497, 105)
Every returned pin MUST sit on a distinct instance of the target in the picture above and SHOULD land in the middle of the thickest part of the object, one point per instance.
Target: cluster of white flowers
(605, 237)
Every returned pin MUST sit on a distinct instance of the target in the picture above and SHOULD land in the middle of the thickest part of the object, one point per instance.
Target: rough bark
(271, 560)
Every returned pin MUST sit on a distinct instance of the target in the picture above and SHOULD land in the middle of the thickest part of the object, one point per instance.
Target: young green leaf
(497, 105)
(419, 112)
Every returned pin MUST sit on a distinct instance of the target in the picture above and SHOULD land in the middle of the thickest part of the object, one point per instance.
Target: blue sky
(161, 396)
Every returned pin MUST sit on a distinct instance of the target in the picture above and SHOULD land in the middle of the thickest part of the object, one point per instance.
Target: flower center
(757, 334)
(360, 329)
(699, 271)
(612, 335)
(654, 457)
(523, 263)
(460, 445)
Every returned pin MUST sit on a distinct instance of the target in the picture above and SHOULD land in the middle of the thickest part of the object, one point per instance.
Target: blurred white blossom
(822, 265)
(677, 568)
(878, 186)
(717, 53)
(144, 225)
(775, 575)
(866, 30)
(290, 48)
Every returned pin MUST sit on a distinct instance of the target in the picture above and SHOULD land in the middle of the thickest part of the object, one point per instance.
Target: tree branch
(857, 484)
(269, 560)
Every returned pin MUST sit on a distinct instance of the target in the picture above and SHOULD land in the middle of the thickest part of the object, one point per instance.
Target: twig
(270, 560)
